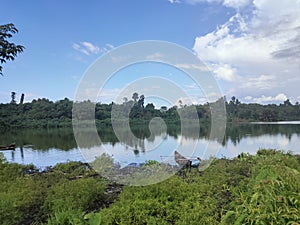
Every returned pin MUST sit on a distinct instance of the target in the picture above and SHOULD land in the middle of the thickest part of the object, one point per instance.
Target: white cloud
(225, 72)
(110, 46)
(267, 99)
(196, 99)
(107, 48)
(192, 66)
(281, 97)
(248, 98)
(193, 2)
(88, 48)
(259, 46)
(236, 3)
(226, 45)
(192, 86)
(191, 100)
(262, 82)
(80, 49)
(119, 59)
(174, 1)
(98, 94)
(109, 95)
(155, 56)
(226, 3)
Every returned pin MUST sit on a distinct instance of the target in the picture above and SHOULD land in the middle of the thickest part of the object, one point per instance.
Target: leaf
(93, 218)
(240, 219)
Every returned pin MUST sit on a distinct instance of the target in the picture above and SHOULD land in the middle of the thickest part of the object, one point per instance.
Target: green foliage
(272, 195)
(195, 200)
(260, 189)
(43, 113)
(93, 218)
(239, 112)
(8, 50)
(61, 195)
(73, 168)
(66, 216)
(79, 194)
(143, 174)
(20, 195)
(151, 163)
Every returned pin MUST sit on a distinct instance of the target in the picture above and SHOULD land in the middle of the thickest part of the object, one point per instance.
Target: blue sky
(251, 47)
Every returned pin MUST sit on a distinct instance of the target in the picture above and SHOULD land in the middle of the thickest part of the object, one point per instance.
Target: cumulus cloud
(256, 50)
(225, 72)
(88, 48)
(231, 44)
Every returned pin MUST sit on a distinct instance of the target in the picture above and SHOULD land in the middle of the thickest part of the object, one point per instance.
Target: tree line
(43, 112)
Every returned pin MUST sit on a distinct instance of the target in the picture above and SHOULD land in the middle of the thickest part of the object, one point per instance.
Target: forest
(249, 189)
(45, 113)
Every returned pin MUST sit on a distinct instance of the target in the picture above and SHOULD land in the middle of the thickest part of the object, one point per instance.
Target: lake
(46, 147)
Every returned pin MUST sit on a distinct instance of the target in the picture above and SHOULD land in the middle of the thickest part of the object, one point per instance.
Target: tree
(135, 96)
(150, 106)
(13, 98)
(8, 50)
(232, 101)
(180, 103)
(163, 108)
(141, 101)
(287, 103)
(125, 100)
(22, 98)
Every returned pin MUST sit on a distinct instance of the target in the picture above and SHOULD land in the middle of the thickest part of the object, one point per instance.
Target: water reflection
(47, 147)
(40, 139)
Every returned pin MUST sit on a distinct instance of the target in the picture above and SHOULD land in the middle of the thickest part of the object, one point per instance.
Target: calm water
(48, 147)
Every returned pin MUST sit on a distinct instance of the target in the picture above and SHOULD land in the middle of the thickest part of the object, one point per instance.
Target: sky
(251, 47)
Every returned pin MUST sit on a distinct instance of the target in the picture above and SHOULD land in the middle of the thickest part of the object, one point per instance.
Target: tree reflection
(63, 139)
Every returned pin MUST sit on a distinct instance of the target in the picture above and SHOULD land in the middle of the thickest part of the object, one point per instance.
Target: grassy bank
(260, 189)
